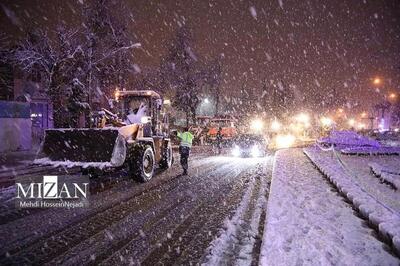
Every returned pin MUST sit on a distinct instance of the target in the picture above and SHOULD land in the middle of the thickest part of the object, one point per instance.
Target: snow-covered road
(217, 215)
(214, 213)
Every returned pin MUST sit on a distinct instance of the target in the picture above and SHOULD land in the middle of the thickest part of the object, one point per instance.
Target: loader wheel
(167, 159)
(141, 165)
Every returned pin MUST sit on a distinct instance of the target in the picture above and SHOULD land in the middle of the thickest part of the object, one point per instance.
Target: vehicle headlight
(236, 151)
(285, 141)
(257, 125)
(255, 151)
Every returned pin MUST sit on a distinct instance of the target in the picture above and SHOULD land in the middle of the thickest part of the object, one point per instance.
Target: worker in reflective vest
(184, 148)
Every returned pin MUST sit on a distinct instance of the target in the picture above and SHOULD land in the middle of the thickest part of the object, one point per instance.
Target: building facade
(25, 111)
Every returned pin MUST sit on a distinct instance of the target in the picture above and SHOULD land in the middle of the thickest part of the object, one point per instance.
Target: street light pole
(385, 105)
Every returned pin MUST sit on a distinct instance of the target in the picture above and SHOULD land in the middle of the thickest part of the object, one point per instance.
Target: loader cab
(143, 107)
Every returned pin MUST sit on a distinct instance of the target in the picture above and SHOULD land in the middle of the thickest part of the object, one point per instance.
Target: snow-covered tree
(214, 81)
(4, 47)
(50, 61)
(109, 61)
(6, 75)
(184, 73)
(75, 65)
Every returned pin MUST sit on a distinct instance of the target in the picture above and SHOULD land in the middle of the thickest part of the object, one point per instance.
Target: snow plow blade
(79, 145)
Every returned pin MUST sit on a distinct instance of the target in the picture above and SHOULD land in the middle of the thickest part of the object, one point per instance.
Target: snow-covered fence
(348, 139)
(386, 220)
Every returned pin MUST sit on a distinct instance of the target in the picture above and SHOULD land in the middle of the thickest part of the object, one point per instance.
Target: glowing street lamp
(351, 122)
(206, 100)
(364, 114)
(377, 81)
(393, 96)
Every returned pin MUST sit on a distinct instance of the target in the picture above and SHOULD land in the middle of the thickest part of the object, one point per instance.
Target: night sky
(312, 46)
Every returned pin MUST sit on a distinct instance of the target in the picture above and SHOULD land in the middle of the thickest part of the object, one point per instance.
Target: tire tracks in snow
(237, 244)
(153, 248)
(37, 250)
(98, 248)
(190, 238)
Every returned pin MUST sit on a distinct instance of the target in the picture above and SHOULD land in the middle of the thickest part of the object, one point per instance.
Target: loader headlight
(236, 151)
(255, 151)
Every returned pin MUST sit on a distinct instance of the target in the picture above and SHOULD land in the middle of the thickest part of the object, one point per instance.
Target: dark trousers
(219, 146)
(184, 153)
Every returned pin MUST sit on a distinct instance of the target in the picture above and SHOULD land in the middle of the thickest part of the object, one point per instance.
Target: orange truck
(228, 128)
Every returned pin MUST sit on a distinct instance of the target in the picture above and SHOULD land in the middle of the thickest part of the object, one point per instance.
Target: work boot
(184, 172)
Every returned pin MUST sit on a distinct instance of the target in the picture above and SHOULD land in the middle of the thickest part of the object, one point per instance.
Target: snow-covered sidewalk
(308, 223)
(376, 202)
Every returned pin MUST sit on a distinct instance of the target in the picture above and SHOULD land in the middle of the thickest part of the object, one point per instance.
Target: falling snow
(294, 110)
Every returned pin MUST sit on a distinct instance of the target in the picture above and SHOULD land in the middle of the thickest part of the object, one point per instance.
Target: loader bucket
(80, 145)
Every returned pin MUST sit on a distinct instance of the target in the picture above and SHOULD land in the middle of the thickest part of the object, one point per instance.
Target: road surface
(213, 213)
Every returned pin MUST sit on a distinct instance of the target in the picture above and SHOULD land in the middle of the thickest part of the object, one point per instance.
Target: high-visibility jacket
(186, 139)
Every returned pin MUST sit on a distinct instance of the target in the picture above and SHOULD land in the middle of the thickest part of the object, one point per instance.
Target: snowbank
(351, 143)
(309, 224)
(380, 215)
(70, 164)
(348, 138)
(82, 129)
(371, 151)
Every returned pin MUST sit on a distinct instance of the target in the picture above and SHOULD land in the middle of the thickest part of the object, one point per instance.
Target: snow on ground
(70, 164)
(309, 223)
(357, 150)
(352, 143)
(391, 176)
(228, 236)
(170, 219)
(7, 194)
(391, 143)
(377, 202)
(236, 241)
